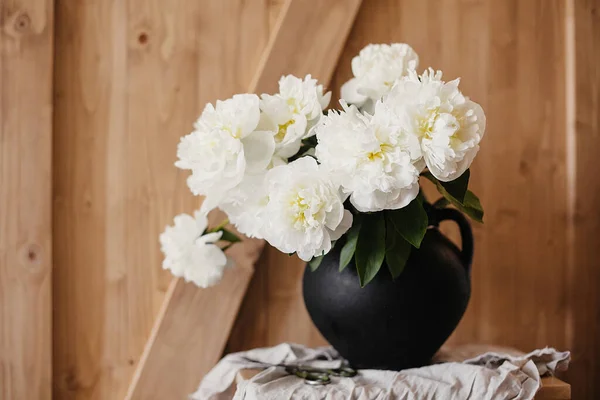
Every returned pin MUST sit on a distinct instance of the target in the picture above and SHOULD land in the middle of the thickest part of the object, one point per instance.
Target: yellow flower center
(282, 130)
(373, 156)
(298, 204)
(293, 105)
(237, 134)
(383, 148)
(425, 124)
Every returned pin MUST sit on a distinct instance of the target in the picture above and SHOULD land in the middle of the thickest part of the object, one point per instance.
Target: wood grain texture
(583, 142)
(26, 40)
(131, 75)
(166, 346)
(273, 310)
(188, 333)
(308, 39)
(553, 389)
(131, 78)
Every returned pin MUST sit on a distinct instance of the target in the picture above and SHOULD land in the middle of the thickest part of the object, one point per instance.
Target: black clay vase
(394, 324)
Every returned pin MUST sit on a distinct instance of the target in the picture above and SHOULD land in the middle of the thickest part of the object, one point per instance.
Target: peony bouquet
(305, 181)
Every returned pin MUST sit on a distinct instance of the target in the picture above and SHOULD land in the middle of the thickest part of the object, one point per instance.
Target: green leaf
(472, 207)
(370, 247)
(219, 227)
(314, 263)
(349, 248)
(410, 222)
(397, 250)
(310, 141)
(469, 206)
(458, 187)
(229, 236)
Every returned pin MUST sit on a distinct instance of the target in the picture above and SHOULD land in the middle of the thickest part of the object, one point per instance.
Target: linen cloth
(466, 372)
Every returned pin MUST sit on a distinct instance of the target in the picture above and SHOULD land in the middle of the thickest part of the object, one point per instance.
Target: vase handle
(466, 234)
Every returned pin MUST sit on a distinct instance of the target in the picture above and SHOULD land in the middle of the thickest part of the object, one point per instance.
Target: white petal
(266, 124)
(349, 93)
(211, 202)
(276, 109)
(298, 127)
(249, 112)
(201, 220)
(324, 101)
(368, 201)
(206, 268)
(209, 238)
(258, 150)
(288, 150)
(480, 114)
(305, 254)
(404, 197)
(343, 227)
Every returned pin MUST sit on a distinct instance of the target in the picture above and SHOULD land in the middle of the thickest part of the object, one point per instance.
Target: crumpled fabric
(465, 372)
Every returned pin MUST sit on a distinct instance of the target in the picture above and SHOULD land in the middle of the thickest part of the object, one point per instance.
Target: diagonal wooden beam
(193, 325)
(308, 39)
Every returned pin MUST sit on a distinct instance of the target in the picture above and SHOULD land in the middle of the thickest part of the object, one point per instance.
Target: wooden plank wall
(131, 77)
(26, 39)
(583, 143)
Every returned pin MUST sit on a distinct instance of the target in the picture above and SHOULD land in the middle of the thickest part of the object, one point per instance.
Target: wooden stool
(552, 388)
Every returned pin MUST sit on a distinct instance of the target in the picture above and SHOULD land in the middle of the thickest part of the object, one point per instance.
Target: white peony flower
(292, 112)
(190, 254)
(370, 156)
(447, 124)
(305, 209)
(376, 68)
(224, 147)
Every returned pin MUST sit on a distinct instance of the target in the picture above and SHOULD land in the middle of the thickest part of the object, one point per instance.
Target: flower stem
(220, 226)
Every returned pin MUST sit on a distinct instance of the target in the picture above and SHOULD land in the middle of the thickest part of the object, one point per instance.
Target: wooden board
(553, 389)
(187, 330)
(583, 142)
(273, 310)
(26, 40)
(165, 348)
(308, 40)
(131, 77)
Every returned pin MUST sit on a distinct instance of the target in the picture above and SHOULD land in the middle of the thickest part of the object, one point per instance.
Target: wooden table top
(552, 388)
